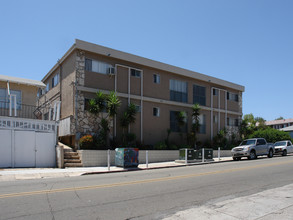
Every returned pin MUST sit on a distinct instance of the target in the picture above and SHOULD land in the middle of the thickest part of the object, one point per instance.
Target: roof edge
(22, 81)
(106, 51)
(95, 48)
(68, 52)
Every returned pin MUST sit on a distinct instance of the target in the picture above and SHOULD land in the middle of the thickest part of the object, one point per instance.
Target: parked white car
(283, 147)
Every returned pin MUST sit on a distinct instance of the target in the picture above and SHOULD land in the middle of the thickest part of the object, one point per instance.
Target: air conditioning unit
(111, 71)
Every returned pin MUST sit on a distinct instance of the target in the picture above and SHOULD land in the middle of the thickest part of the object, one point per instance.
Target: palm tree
(104, 103)
(195, 123)
(127, 118)
(181, 121)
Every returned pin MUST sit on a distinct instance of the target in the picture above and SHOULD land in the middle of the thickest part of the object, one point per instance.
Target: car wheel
(252, 155)
(284, 153)
(271, 153)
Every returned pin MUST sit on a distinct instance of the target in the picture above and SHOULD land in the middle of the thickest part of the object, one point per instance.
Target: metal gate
(27, 143)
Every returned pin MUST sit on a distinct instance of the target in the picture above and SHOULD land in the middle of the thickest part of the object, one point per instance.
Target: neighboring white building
(26, 140)
(289, 130)
(278, 124)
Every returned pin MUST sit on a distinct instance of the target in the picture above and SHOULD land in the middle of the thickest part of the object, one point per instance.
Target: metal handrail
(23, 111)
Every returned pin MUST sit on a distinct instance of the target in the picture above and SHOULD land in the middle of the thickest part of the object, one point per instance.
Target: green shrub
(86, 142)
(184, 146)
(160, 146)
(220, 140)
(271, 135)
(173, 147)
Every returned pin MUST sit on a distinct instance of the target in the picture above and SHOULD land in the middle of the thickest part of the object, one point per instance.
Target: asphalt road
(151, 194)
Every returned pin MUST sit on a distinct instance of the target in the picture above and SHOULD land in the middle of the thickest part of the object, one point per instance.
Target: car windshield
(247, 142)
(281, 143)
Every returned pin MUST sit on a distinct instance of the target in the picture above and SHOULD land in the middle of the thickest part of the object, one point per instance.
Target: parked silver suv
(251, 148)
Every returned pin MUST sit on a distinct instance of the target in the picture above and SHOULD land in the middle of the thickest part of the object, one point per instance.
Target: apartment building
(158, 90)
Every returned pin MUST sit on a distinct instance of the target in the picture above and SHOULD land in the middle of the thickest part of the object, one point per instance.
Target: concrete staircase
(71, 159)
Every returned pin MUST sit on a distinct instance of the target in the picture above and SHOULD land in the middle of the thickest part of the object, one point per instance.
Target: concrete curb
(154, 168)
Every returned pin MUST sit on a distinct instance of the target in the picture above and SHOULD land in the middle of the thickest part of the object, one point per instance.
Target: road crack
(49, 203)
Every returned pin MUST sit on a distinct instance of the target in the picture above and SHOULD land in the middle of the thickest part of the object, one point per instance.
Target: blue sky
(248, 42)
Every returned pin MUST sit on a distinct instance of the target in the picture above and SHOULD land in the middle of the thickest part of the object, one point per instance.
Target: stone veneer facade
(84, 122)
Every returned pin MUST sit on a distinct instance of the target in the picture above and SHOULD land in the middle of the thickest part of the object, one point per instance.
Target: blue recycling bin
(126, 157)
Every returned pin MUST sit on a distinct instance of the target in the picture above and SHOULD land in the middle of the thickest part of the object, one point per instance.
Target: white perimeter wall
(94, 158)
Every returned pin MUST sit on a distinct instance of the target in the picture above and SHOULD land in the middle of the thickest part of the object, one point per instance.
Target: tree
(128, 117)
(181, 121)
(250, 124)
(247, 126)
(280, 118)
(108, 104)
(260, 122)
(271, 135)
(195, 124)
(220, 139)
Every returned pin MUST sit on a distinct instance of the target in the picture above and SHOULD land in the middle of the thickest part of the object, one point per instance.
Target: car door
(262, 147)
(289, 147)
(258, 147)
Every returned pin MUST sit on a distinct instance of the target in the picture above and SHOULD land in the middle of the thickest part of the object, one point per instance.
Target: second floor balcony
(25, 111)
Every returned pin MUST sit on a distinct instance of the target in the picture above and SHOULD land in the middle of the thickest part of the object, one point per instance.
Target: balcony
(24, 111)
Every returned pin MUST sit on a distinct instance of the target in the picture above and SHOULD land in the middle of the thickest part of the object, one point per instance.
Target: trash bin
(198, 154)
(126, 157)
(190, 154)
(208, 154)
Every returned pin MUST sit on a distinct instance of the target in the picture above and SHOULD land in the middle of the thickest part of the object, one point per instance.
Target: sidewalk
(13, 174)
(267, 205)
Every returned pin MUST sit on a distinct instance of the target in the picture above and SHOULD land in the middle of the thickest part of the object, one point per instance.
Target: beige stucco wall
(66, 84)
(151, 89)
(28, 93)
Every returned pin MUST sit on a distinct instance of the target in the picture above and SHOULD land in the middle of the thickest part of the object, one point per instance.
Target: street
(148, 194)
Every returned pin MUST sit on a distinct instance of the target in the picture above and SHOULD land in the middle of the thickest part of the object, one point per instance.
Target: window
(215, 92)
(232, 97)
(55, 80)
(156, 112)
(202, 122)
(137, 108)
(178, 91)
(5, 99)
(215, 119)
(97, 66)
(135, 72)
(47, 87)
(174, 126)
(260, 142)
(236, 122)
(199, 95)
(232, 122)
(156, 78)
(40, 92)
